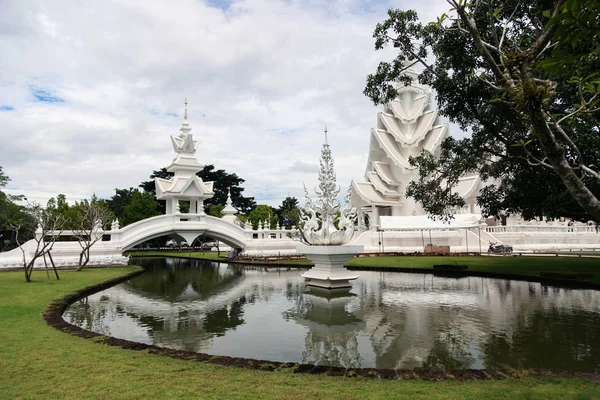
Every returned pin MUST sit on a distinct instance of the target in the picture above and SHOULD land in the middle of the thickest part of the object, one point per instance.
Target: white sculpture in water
(325, 240)
(319, 217)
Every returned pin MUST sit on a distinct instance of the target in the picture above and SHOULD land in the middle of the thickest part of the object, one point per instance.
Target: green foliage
(12, 215)
(289, 213)
(141, 206)
(119, 201)
(216, 210)
(4, 179)
(263, 213)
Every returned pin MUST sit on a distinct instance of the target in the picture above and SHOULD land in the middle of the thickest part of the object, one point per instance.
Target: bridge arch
(188, 226)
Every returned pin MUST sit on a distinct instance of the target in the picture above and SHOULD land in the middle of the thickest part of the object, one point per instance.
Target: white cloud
(262, 79)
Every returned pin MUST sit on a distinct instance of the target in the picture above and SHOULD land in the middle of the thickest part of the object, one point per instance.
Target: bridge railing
(541, 229)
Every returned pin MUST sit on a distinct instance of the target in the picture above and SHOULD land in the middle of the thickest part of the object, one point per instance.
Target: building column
(361, 219)
(374, 223)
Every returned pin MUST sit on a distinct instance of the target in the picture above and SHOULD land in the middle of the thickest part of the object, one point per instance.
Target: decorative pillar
(374, 223)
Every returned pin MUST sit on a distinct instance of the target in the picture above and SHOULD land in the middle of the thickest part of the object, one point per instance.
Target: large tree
(12, 214)
(120, 200)
(142, 205)
(289, 213)
(223, 182)
(520, 77)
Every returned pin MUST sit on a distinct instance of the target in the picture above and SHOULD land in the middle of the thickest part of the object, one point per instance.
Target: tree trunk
(47, 270)
(53, 266)
(84, 258)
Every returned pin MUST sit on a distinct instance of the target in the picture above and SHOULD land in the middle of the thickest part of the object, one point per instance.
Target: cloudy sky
(91, 90)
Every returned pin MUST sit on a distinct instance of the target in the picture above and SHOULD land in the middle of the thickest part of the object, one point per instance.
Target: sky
(91, 91)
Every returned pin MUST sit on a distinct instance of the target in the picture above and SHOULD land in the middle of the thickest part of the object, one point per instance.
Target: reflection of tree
(88, 315)
(448, 352)
(225, 318)
(205, 278)
(332, 349)
(560, 340)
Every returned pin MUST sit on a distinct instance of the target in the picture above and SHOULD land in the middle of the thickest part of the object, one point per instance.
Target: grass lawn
(205, 255)
(38, 361)
(513, 265)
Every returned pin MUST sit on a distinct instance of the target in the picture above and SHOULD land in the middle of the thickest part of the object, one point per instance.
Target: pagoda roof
(436, 135)
(369, 195)
(467, 185)
(182, 187)
(418, 106)
(389, 145)
(384, 170)
(418, 129)
(381, 186)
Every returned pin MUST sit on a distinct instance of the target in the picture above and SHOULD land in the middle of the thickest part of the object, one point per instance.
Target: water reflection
(331, 338)
(387, 320)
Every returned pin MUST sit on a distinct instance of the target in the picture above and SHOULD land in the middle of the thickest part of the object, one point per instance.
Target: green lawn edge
(525, 267)
(38, 361)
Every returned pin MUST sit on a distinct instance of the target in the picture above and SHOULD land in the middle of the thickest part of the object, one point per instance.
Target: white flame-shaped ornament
(319, 217)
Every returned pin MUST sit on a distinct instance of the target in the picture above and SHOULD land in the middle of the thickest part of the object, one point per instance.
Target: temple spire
(185, 103)
(326, 134)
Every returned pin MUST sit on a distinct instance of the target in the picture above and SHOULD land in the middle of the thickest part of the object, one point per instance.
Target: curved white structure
(187, 226)
(405, 127)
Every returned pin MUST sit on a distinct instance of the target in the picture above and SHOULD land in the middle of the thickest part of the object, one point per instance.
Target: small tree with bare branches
(49, 227)
(90, 219)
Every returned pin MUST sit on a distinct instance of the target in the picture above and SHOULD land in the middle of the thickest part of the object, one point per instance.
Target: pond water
(387, 320)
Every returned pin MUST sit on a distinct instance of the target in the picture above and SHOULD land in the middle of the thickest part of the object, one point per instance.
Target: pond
(387, 320)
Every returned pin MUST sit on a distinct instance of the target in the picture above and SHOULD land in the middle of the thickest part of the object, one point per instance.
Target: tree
(12, 213)
(119, 201)
(141, 206)
(223, 182)
(90, 219)
(523, 83)
(262, 214)
(49, 227)
(4, 179)
(289, 213)
(216, 210)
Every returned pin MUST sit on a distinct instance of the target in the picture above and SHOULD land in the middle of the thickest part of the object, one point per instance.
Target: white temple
(407, 125)
(185, 185)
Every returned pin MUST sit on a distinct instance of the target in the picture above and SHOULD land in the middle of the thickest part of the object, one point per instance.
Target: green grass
(526, 266)
(40, 362)
(206, 255)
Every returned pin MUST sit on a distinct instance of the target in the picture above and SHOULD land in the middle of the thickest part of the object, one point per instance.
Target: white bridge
(187, 226)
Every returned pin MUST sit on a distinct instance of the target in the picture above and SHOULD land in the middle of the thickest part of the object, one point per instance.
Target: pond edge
(53, 317)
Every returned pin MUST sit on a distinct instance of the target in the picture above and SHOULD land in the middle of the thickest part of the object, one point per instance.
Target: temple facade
(405, 127)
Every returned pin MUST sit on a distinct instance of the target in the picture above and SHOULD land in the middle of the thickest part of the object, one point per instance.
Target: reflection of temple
(332, 330)
(388, 320)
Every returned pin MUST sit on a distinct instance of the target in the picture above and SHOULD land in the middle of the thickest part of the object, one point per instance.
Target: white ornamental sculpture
(324, 239)
(319, 216)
